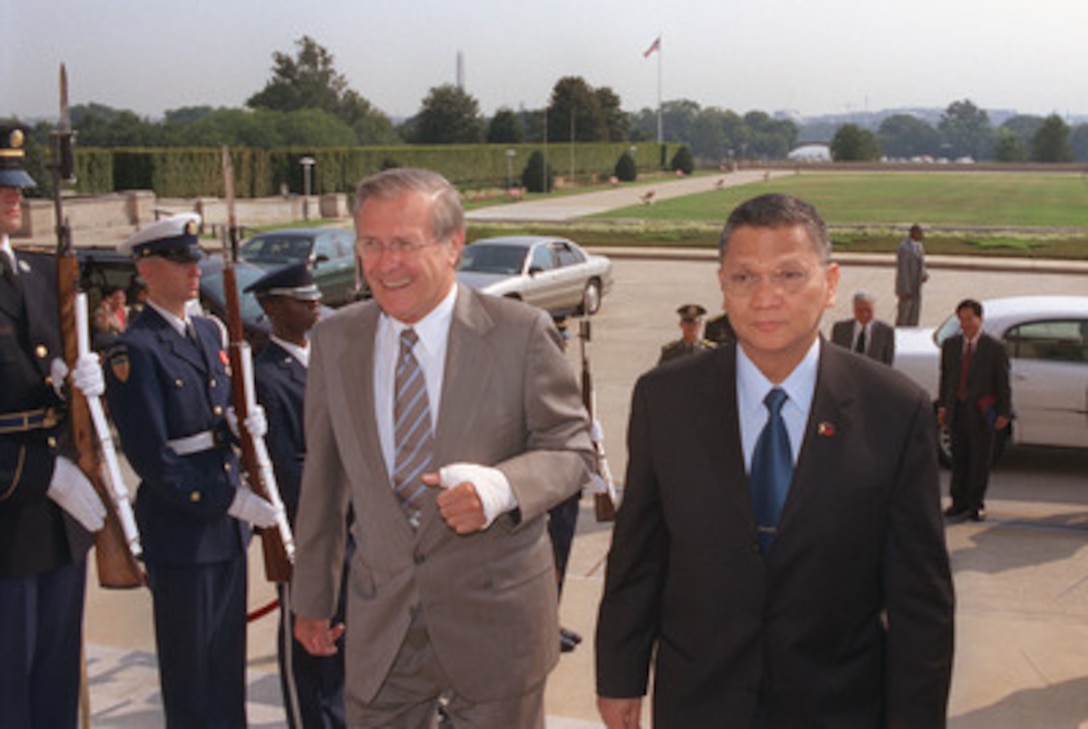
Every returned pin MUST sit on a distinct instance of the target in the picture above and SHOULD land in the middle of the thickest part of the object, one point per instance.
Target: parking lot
(1021, 576)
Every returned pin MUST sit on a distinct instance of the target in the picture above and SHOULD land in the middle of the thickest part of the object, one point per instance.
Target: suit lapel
(469, 363)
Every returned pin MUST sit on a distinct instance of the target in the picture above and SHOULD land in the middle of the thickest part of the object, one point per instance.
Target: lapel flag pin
(825, 428)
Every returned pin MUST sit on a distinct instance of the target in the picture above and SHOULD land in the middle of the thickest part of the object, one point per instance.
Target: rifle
(117, 544)
(604, 498)
(278, 544)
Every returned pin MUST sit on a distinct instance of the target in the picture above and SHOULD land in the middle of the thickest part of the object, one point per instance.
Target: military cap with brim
(173, 238)
(293, 280)
(691, 312)
(13, 158)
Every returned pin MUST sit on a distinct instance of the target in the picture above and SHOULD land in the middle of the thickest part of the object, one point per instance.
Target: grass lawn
(1021, 214)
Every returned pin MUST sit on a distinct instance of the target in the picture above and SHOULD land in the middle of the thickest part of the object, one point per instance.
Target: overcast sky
(807, 56)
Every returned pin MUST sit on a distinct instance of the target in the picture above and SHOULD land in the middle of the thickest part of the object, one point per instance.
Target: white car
(1046, 338)
(553, 273)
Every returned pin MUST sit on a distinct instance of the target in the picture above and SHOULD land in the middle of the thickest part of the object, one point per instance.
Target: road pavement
(1021, 576)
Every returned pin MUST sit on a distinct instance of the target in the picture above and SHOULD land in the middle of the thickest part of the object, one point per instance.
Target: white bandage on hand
(249, 507)
(71, 490)
(491, 484)
(87, 376)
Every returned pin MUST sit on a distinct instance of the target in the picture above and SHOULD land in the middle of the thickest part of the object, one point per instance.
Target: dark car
(329, 251)
(102, 268)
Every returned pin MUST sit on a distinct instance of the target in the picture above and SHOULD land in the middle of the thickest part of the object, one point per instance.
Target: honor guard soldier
(313, 686)
(691, 341)
(168, 387)
(48, 509)
(718, 330)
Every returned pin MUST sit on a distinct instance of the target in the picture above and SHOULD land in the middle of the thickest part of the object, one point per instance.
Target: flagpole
(660, 127)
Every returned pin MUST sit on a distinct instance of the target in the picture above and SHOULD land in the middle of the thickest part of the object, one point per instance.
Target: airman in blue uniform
(48, 509)
(169, 393)
(313, 686)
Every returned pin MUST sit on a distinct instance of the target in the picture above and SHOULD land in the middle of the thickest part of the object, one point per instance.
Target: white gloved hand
(491, 484)
(58, 370)
(256, 422)
(87, 375)
(71, 490)
(249, 507)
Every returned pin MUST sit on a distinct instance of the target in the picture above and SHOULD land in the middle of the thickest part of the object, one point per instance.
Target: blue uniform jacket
(36, 535)
(281, 384)
(161, 386)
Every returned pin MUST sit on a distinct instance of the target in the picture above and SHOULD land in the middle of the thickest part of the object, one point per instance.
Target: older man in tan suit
(450, 421)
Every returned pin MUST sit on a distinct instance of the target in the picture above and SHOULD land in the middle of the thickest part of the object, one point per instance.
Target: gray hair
(775, 210)
(447, 216)
(861, 296)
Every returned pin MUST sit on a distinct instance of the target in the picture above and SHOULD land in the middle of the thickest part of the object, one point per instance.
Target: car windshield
(276, 249)
(483, 258)
(212, 283)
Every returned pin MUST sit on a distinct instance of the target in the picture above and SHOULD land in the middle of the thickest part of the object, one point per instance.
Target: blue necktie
(772, 469)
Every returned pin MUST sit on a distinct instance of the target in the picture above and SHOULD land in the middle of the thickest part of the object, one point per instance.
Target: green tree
(1078, 142)
(682, 161)
(449, 115)
(1023, 126)
(309, 80)
(99, 125)
(966, 129)
(574, 107)
(626, 170)
(1051, 141)
(505, 128)
(854, 144)
(904, 136)
(538, 176)
(1008, 147)
(769, 138)
(615, 119)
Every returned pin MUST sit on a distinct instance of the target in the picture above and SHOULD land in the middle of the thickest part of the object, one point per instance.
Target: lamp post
(307, 166)
(510, 154)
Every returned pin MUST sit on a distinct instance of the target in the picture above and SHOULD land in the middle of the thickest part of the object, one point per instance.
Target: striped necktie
(413, 440)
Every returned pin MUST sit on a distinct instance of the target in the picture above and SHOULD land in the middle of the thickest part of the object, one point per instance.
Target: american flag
(655, 46)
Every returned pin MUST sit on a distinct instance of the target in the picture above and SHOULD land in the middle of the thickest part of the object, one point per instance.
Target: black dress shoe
(954, 511)
(977, 515)
(566, 645)
(570, 635)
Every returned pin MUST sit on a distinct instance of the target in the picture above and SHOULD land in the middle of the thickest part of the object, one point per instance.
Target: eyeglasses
(744, 283)
(401, 248)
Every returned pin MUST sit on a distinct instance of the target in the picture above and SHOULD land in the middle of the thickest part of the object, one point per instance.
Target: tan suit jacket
(509, 400)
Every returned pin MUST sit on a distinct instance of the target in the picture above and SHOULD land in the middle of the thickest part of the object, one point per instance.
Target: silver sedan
(553, 273)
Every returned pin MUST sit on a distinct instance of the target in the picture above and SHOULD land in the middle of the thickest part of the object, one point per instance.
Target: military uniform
(280, 378)
(42, 547)
(689, 313)
(169, 394)
(718, 330)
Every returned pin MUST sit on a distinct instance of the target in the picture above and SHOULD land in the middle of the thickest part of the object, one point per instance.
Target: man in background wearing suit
(779, 555)
(863, 333)
(451, 421)
(910, 274)
(975, 403)
(313, 686)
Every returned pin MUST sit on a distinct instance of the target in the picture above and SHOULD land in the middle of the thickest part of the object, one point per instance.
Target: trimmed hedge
(197, 171)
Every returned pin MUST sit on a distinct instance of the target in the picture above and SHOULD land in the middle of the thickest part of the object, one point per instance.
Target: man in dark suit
(451, 420)
(779, 554)
(48, 509)
(313, 686)
(976, 402)
(169, 394)
(865, 334)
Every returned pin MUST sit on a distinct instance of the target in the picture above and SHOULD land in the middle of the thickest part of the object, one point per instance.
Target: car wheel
(591, 297)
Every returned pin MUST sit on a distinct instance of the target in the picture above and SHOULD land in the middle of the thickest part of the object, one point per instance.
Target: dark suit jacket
(509, 400)
(988, 375)
(881, 344)
(846, 622)
(36, 535)
(160, 387)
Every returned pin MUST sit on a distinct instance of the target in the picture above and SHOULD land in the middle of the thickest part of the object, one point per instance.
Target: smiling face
(408, 270)
(778, 318)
